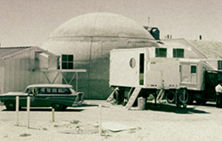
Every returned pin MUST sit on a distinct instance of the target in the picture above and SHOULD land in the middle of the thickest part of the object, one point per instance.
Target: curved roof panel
(101, 25)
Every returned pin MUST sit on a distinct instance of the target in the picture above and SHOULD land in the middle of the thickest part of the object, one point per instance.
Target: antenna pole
(148, 21)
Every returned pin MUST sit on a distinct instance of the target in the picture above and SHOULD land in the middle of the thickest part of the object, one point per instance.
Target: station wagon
(57, 96)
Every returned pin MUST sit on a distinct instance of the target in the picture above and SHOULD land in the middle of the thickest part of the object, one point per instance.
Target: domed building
(84, 42)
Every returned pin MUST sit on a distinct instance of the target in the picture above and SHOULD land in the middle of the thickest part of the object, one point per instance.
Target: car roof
(51, 85)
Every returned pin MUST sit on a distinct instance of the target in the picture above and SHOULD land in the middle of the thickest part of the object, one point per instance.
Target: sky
(30, 22)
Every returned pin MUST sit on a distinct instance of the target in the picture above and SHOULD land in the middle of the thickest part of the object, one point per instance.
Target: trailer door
(185, 72)
(188, 73)
(141, 74)
(193, 71)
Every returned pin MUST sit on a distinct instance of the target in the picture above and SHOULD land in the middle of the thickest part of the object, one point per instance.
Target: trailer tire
(170, 96)
(200, 102)
(187, 99)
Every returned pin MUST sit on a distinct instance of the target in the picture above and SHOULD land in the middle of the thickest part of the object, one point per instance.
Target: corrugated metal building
(21, 66)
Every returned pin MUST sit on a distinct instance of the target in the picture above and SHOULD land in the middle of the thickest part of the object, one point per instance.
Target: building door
(141, 71)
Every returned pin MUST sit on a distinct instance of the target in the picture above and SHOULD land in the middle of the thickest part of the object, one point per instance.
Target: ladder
(160, 95)
(110, 98)
(133, 97)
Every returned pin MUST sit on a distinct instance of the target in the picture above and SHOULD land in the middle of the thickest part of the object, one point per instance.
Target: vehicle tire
(170, 96)
(10, 105)
(184, 98)
(200, 102)
(58, 107)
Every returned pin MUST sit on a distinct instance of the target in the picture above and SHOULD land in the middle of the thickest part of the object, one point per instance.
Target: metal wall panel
(1, 80)
(16, 74)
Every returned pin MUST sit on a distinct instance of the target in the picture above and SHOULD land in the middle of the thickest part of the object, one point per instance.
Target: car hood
(14, 94)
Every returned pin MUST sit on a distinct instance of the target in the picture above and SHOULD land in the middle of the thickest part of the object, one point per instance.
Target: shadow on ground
(49, 109)
(172, 108)
(207, 104)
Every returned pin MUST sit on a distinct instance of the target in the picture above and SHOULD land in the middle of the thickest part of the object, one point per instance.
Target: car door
(44, 95)
(31, 92)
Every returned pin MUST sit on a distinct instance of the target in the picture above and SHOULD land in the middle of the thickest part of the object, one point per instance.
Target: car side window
(32, 90)
(54, 90)
(48, 90)
(64, 91)
(29, 91)
(35, 90)
(42, 91)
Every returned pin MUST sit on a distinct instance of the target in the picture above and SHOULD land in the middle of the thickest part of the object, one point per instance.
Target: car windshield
(32, 90)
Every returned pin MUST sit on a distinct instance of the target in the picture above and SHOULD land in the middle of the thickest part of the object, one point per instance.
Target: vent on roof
(154, 31)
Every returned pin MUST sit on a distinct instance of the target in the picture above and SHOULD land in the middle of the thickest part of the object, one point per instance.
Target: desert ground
(158, 122)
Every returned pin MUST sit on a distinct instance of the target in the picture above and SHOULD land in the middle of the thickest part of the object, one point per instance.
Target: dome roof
(101, 25)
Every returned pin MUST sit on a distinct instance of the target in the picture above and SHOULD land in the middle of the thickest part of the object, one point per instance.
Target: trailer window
(178, 53)
(132, 62)
(161, 52)
(193, 69)
(219, 64)
(67, 61)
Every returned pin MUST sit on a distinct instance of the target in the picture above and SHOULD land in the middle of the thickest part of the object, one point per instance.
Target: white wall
(121, 74)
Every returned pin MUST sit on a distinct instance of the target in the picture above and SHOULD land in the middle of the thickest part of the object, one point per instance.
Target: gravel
(157, 122)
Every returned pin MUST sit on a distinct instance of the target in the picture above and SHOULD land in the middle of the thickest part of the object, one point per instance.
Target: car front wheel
(10, 105)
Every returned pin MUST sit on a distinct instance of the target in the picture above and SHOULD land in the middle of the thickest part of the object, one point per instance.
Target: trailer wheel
(170, 96)
(10, 105)
(184, 96)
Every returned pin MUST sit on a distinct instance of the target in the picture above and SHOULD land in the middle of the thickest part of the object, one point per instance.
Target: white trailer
(140, 69)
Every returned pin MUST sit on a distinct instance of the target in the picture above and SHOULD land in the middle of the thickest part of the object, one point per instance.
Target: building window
(161, 52)
(67, 61)
(193, 69)
(219, 64)
(178, 53)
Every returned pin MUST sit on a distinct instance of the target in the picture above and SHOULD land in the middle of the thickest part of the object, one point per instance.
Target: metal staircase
(110, 98)
(133, 97)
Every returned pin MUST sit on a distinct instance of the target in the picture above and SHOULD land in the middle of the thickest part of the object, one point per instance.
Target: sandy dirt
(157, 122)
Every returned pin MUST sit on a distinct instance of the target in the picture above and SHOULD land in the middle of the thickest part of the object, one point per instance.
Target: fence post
(28, 110)
(100, 119)
(53, 115)
(17, 110)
